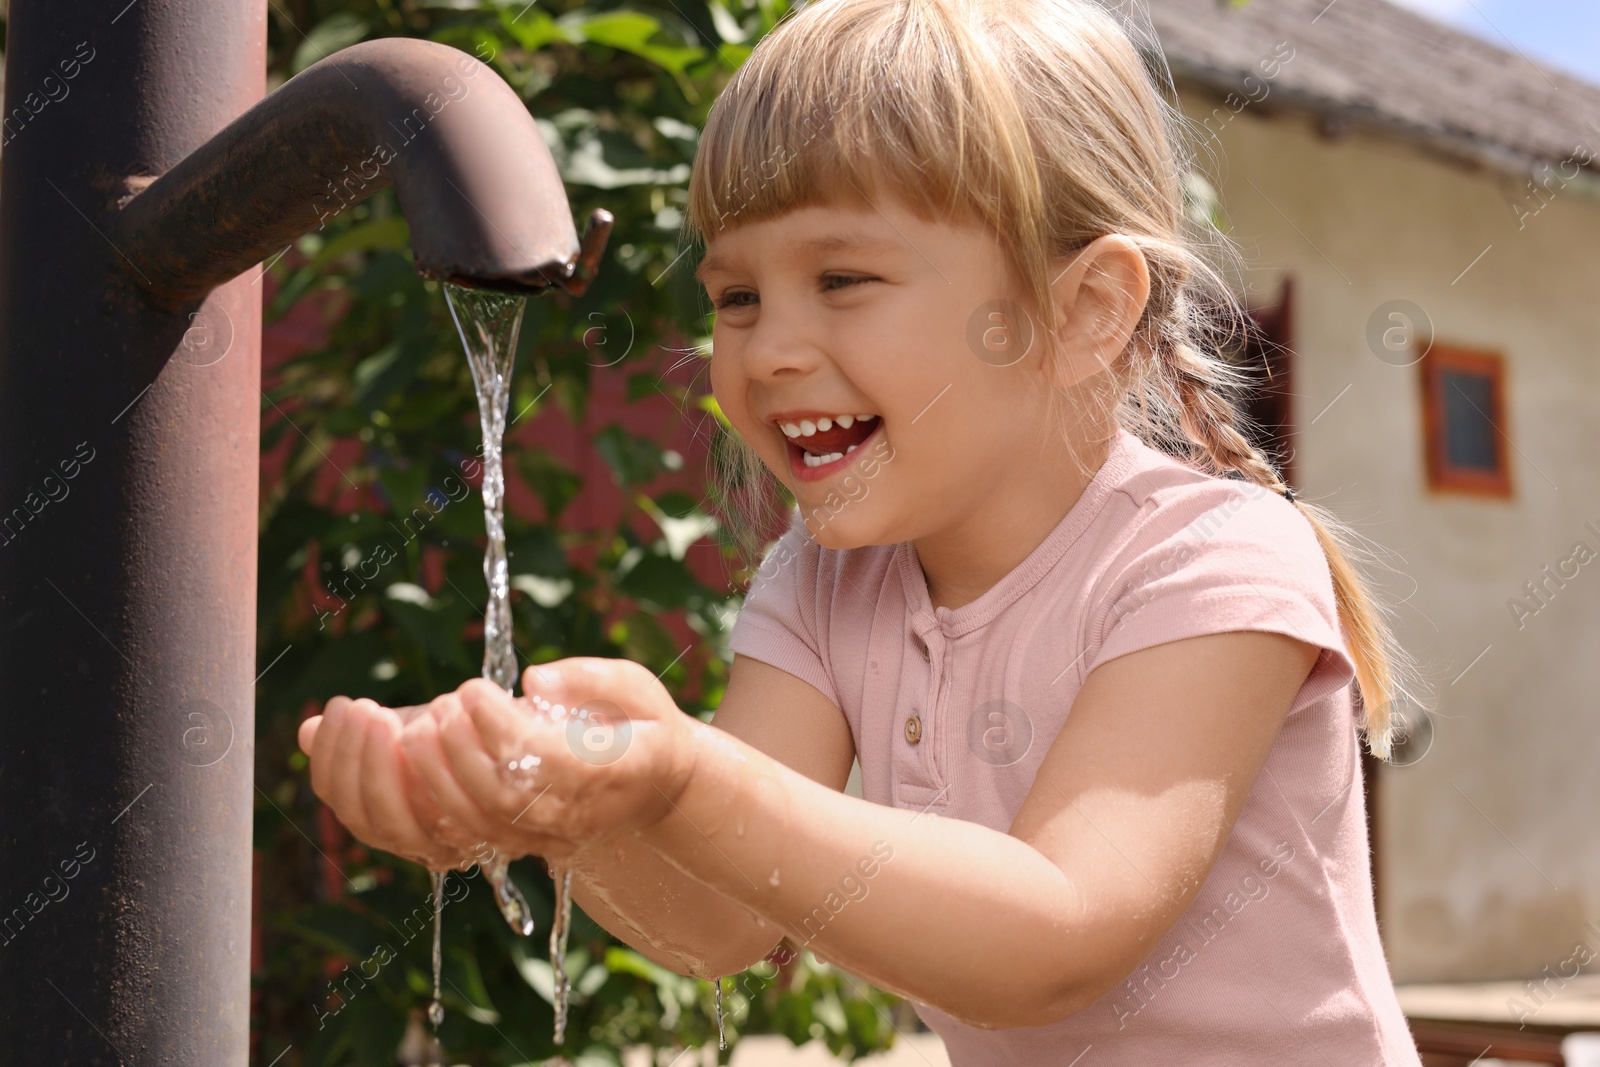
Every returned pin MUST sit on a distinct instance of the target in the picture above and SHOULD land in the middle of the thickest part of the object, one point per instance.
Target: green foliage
(375, 429)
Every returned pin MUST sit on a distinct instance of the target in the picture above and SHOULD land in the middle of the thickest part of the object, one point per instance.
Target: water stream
(722, 1038)
(558, 947)
(488, 322)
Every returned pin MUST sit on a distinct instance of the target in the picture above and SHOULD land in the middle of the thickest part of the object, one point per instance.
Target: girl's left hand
(596, 748)
(358, 770)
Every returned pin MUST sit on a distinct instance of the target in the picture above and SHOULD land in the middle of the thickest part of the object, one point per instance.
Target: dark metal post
(128, 489)
(137, 180)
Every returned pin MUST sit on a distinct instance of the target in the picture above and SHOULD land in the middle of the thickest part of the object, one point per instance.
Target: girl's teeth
(807, 427)
(817, 461)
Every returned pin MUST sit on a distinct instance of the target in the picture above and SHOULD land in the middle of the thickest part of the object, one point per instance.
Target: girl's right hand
(360, 772)
(526, 779)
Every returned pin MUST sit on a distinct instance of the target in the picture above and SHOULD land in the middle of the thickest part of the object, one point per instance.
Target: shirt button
(913, 730)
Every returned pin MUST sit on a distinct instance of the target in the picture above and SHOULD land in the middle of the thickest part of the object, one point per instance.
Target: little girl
(1093, 656)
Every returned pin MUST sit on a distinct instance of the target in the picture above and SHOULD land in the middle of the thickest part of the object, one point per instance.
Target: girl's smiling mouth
(820, 445)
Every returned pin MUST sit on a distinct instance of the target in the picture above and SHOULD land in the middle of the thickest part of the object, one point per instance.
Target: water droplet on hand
(522, 773)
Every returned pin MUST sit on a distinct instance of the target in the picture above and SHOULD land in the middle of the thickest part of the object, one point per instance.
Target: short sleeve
(1222, 556)
(779, 622)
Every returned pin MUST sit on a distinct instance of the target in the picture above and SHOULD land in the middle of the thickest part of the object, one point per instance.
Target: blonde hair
(1039, 120)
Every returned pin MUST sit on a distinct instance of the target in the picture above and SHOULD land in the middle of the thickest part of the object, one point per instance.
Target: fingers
(406, 714)
(475, 772)
(392, 825)
(500, 721)
(541, 677)
(460, 819)
(308, 733)
(342, 774)
(326, 740)
(583, 681)
(476, 765)
(441, 830)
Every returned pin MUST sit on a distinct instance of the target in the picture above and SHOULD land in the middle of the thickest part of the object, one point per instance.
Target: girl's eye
(844, 280)
(829, 283)
(732, 298)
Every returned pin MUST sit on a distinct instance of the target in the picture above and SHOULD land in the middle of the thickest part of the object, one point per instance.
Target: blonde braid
(1199, 391)
(1209, 417)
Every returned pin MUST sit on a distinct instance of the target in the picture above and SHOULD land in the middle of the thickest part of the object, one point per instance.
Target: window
(1464, 421)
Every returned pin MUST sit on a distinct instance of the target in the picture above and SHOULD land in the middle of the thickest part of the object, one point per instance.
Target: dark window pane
(1469, 435)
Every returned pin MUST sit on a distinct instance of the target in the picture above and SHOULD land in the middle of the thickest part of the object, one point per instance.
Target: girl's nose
(780, 345)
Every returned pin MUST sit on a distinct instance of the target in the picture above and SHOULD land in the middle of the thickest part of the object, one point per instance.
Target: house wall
(1488, 850)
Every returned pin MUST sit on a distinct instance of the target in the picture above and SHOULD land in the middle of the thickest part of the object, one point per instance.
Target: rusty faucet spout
(473, 174)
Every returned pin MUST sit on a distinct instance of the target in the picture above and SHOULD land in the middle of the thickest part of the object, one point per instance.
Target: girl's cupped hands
(596, 747)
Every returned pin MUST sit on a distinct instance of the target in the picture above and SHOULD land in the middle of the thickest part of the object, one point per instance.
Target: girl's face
(863, 352)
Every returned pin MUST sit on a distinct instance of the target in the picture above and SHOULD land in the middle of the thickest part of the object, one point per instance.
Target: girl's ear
(1100, 292)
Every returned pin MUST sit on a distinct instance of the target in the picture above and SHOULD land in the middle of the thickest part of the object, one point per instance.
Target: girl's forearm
(952, 914)
(670, 917)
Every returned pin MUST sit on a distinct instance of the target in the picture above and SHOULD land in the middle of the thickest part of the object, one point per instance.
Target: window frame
(1442, 475)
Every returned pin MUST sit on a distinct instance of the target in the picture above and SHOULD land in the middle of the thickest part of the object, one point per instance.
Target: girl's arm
(673, 918)
(1129, 811)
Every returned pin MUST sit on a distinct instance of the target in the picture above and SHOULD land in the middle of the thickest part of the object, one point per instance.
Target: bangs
(850, 102)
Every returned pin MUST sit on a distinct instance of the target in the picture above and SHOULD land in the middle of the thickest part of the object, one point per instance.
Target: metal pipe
(129, 466)
(128, 481)
(473, 175)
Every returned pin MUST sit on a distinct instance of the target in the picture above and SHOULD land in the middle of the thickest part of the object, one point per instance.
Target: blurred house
(1420, 211)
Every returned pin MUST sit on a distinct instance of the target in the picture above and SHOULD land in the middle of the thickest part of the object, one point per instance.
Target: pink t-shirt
(1277, 960)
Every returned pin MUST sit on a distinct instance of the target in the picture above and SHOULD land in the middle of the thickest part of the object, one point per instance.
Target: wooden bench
(1458, 1023)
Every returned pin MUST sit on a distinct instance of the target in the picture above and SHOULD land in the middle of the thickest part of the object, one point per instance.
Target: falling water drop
(507, 897)
(772, 879)
(722, 1038)
(558, 947)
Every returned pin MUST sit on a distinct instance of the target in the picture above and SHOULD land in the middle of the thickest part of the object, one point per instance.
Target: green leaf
(533, 29)
(339, 930)
(677, 504)
(375, 1028)
(328, 36)
(661, 582)
(608, 160)
(546, 592)
(466, 981)
(727, 26)
(633, 460)
(633, 31)
(391, 233)
(433, 623)
(550, 479)
(535, 971)
(645, 640)
(536, 551)
(641, 386)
